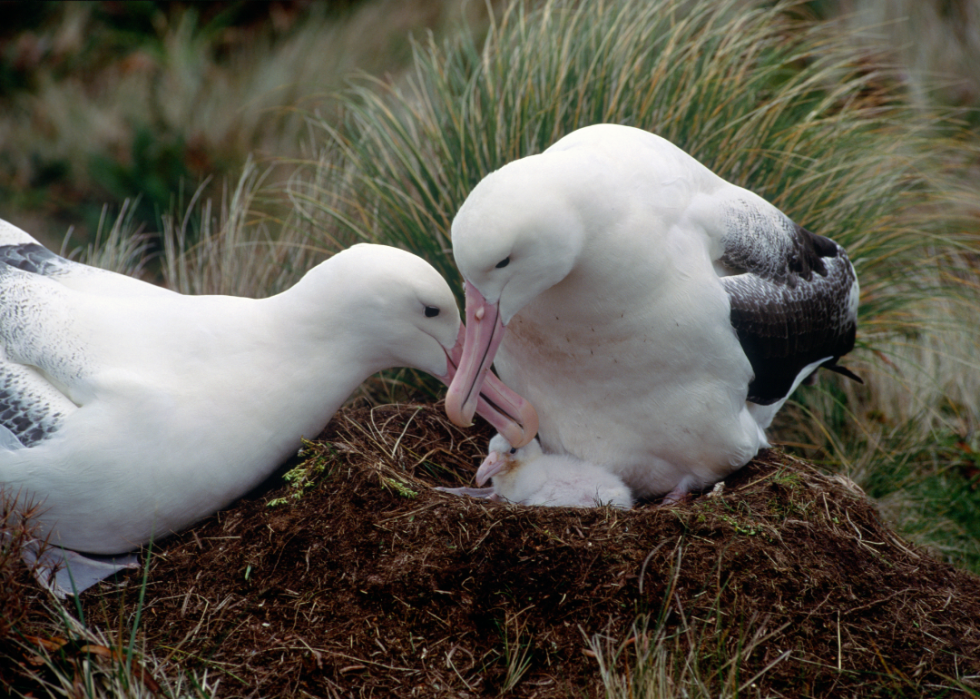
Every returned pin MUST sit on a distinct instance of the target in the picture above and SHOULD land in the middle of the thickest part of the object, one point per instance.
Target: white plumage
(527, 476)
(131, 411)
(654, 314)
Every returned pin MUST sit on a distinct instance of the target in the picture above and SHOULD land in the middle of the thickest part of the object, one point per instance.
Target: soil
(356, 578)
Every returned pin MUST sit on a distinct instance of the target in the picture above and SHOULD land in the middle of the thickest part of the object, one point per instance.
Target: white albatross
(655, 315)
(128, 412)
(527, 476)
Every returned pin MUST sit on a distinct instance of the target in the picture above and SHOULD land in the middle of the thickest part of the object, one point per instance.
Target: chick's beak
(491, 466)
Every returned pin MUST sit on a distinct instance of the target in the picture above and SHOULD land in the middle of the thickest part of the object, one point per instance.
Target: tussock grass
(784, 108)
(72, 659)
(118, 246)
(16, 530)
(691, 659)
(937, 42)
(46, 648)
(229, 248)
(798, 111)
(101, 103)
(233, 246)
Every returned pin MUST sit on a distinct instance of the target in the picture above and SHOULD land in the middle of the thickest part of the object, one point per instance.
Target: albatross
(528, 476)
(655, 315)
(128, 412)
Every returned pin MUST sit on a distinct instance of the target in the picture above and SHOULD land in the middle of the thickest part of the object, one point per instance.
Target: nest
(355, 576)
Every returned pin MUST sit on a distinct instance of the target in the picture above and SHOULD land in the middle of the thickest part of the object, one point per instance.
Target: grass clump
(74, 660)
(696, 657)
(15, 531)
(141, 101)
(306, 475)
(782, 107)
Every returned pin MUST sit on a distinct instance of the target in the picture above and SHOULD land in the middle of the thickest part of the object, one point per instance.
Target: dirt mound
(357, 578)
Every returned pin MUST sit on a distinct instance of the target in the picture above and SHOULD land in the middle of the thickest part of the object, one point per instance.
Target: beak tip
(460, 420)
(523, 441)
(458, 412)
(519, 435)
(528, 426)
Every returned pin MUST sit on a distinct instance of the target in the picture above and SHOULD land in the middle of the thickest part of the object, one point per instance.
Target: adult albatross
(130, 412)
(655, 315)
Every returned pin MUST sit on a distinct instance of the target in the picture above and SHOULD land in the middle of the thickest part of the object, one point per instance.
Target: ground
(354, 576)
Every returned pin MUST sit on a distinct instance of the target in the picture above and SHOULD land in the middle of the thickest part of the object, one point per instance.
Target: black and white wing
(793, 294)
(21, 251)
(31, 409)
(42, 362)
(40, 358)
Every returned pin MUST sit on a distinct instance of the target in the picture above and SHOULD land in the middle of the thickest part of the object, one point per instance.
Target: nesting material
(372, 583)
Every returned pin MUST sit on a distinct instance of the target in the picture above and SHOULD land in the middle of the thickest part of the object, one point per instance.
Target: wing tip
(843, 371)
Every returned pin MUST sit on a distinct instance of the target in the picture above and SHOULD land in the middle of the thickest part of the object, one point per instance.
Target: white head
(392, 305)
(503, 459)
(394, 309)
(520, 231)
(546, 218)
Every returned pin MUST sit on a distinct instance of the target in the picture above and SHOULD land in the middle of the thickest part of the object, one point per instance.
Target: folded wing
(793, 298)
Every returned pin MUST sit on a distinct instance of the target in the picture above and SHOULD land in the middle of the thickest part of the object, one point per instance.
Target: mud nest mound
(355, 577)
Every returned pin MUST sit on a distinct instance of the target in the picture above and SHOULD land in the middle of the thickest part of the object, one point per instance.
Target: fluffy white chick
(528, 476)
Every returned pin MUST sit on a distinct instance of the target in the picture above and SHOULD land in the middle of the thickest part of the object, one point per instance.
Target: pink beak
(509, 413)
(491, 466)
(475, 386)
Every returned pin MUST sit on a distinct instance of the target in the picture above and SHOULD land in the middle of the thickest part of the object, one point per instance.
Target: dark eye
(513, 450)
(431, 311)
(503, 263)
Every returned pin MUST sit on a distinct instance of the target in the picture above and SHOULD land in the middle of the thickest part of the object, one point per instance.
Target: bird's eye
(513, 450)
(431, 311)
(503, 263)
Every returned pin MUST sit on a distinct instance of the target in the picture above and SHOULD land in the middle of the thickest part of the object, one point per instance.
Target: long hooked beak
(484, 332)
(509, 413)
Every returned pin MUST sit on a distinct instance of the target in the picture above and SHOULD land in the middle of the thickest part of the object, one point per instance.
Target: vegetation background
(226, 147)
(106, 101)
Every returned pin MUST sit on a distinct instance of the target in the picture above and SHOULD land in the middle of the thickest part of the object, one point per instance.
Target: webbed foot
(64, 572)
(482, 493)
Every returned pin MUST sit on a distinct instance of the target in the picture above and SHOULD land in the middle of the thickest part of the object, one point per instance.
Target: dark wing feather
(33, 347)
(794, 302)
(27, 409)
(33, 258)
(36, 259)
